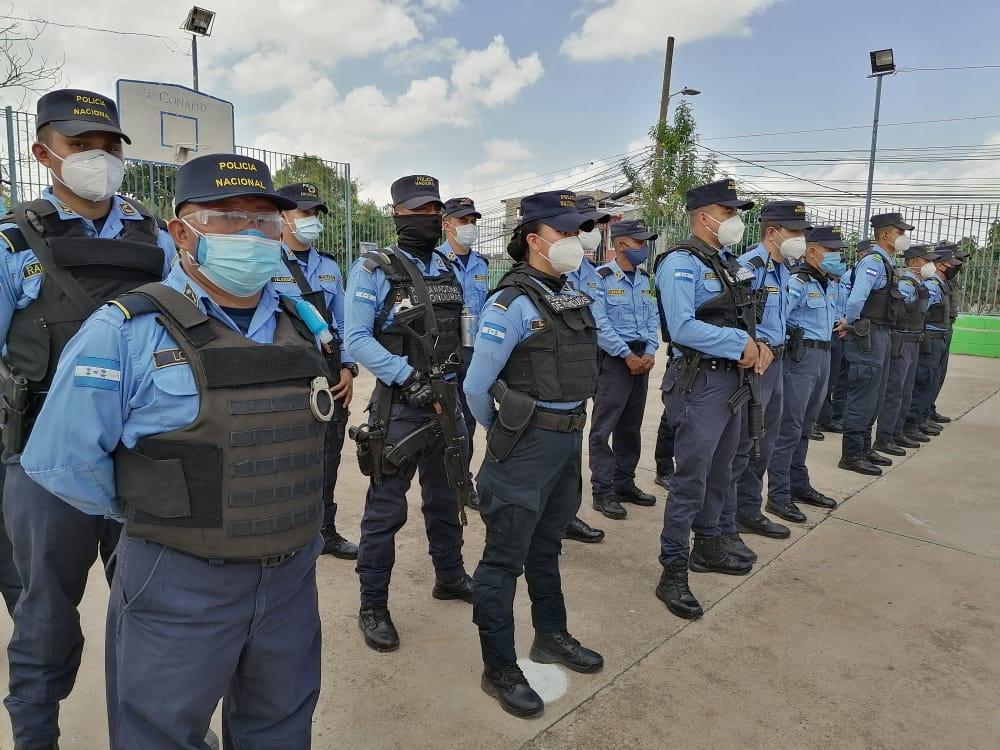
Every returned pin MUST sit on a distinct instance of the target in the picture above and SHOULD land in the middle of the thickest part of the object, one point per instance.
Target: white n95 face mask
(565, 255)
(730, 231)
(927, 270)
(902, 243)
(467, 235)
(591, 240)
(792, 248)
(93, 175)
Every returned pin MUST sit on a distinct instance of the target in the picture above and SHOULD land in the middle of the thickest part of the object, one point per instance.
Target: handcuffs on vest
(319, 387)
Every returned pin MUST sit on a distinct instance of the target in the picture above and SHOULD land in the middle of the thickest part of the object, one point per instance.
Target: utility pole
(871, 156)
(668, 63)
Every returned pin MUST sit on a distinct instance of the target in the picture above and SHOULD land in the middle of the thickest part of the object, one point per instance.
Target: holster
(925, 345)
(14, 407)
(687, 372)
(895, 344)
(795, 348)
(514, 412)
(370, 444)
(863, 333)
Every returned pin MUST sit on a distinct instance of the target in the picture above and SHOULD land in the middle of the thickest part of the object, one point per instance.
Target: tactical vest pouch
(14, 403)
(513, 417)
(863, 334)
(400, 458)
(895, 344)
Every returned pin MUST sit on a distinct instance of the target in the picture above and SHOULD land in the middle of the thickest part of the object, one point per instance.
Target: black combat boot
(674, 592)
(786, 511)
(814, 497)
(562, 648)
(877, 459)
(939, 418)
(889, 447)
(904, 442)
(860, 465)
(581, 531)
(707, 557)
(610, 507)
(334, 544)
(764, 526)
(460, 589)
(377, 628)
(634, 495)
(508, 685)
(734, 545)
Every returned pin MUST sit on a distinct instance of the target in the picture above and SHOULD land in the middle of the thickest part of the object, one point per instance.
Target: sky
(506, 97)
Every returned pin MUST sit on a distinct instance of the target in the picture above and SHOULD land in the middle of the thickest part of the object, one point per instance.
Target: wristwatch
(352, 367)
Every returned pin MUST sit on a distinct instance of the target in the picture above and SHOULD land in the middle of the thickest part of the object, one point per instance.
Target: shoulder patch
(684, 275)
(33, 269)
(495, 332)
(97, 372)
(604, 272)
(871, 271)
(168, 358)
(126, 208)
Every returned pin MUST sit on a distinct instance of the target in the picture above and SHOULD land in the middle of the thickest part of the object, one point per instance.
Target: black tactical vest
(406, 335)
(884, 306)
(98, 270)
(316, 298)
(939, 314)
(954, 297)
(557, 362)
(244, 481)
(913, 313)
(733, 307)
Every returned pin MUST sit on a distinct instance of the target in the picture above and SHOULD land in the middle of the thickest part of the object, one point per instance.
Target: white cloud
(442, 6)
(625, 29)
(500, 157)
(491, 76)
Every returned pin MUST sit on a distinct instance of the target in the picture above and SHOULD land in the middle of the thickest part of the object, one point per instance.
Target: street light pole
(194, 60)
(871, 156)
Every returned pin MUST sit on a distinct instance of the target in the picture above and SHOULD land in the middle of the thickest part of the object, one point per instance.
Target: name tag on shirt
(480, 277)
(327, 277)
(744, 274)
(771, 289)
(617, 292)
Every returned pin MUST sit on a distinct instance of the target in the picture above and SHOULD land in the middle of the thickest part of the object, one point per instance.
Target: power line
(955, 67)
(852, 127)
(84, 27)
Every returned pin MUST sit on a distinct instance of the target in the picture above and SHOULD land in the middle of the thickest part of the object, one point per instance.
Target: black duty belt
(555, 420)
(717, 364)
(638, 348)
(264, 562)
(909, 335)
(777, 351)
(816, 344)
(936, 334)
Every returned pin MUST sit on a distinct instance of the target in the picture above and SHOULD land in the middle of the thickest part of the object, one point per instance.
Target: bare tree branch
(20, 67)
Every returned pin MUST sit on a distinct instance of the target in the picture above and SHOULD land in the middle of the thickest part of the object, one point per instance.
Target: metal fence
(353, 226)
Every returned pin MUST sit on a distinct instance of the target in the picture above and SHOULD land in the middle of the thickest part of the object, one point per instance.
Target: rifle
(14, 400)
(749, 393)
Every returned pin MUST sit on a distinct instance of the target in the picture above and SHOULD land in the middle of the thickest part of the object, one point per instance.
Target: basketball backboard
(169, 123)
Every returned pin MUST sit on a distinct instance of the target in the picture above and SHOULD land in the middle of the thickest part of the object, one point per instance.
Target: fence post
(348, 230)
(11, 158)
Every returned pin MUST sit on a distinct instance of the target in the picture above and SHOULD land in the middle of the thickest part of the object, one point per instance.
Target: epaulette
(604, 272)
(803, 276)
(757, 262)
(377, 259)
(485, 259)
(133, 305)
(642, 270)
(506, 296)
(14, 241)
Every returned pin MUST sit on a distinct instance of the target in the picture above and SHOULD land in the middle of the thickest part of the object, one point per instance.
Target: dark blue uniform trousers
(664, 455)
(334, 447)
(10, 581)
(183, 634)
(707, 434)
(55, 546)
(747, 483)
(805, 385)
(833, 404)
(619, 404)
(867, 376)
(898, 392)
(925, 387)
(944, 370)
(385, 512)
(526, 502)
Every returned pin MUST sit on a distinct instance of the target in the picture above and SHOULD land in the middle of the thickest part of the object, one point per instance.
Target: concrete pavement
(872, 627)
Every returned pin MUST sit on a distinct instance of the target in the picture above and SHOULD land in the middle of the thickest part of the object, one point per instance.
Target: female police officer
(536, 355)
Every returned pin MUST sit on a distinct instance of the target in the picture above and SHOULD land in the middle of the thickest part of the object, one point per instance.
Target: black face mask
(951, 271)
(418, 233)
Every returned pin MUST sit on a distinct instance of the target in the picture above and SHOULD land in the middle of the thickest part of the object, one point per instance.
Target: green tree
(671, 169)
(152, 185)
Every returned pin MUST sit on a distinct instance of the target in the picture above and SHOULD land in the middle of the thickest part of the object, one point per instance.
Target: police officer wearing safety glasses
(534, 367)
(315, 276)
(196, 410)
(404, 324)
(62, 256)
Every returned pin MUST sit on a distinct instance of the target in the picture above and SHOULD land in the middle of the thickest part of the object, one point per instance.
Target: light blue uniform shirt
(811, 307)
(936, 289)
(625, 311)
(843, 292)
(907, 284)
(773, 279)
(869, 276)
(108, 389)
(499, 332)
(584, 278)
(684, 283)
(21, 276)
(366, 293)
(322, 274)
(472, 271)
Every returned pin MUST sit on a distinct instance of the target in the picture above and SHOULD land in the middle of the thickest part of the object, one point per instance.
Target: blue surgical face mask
(834, 264)
(637, 256)
(307, 229)
(240, 263)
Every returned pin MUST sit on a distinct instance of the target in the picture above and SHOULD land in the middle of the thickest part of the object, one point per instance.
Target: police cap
(789, 214)
(219, 176)
(634, 228)
(305, 195)
(460, 208)
(75, 111)
(718, 193)
(557, 209)
(921, 251)
(827, 235)
(415, 190)
(587, 205)
(890, 220)
(865, 245)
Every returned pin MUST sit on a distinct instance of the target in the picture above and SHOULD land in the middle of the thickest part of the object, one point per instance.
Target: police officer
(932, 351)
(812, 314)
(585, 279)
(536, 356)
(707, 315)
(627, 333)
(905, 338)
(195, 409)
(311, 275)
(404, 324)
(782, 233)
(955, 299)
(461, 233)
(871, 309)
(64, 255)
(832, 414)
